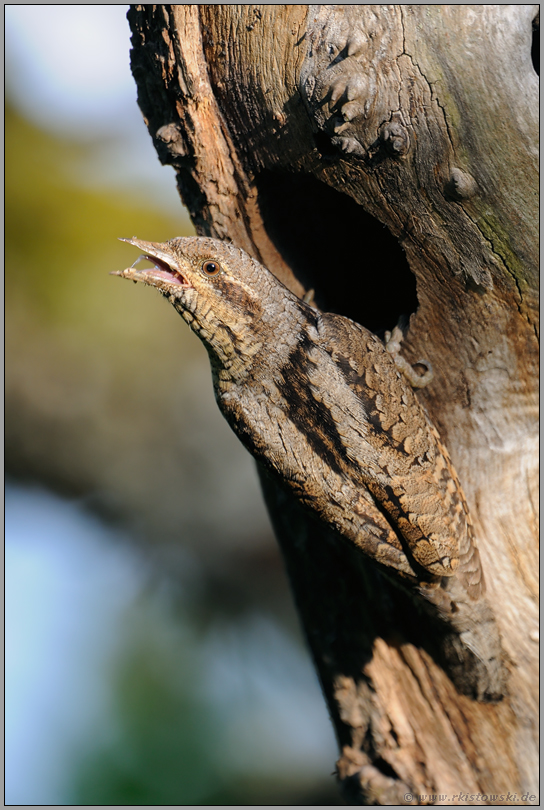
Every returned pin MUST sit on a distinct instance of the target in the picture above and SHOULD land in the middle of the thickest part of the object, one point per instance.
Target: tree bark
(385, 157)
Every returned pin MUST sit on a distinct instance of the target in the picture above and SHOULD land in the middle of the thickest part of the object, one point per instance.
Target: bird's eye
(211, 268)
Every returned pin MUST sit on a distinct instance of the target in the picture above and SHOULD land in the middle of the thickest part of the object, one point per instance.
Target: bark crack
(501, 260)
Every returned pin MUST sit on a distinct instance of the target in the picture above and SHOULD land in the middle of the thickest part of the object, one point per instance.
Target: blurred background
(153, 651)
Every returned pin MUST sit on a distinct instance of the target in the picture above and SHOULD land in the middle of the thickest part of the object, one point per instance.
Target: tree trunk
(385, 157)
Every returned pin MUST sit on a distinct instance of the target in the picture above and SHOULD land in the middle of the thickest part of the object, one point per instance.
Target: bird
(321, 404)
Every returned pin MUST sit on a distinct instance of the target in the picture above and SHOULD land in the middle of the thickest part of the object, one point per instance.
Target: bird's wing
(415, 482)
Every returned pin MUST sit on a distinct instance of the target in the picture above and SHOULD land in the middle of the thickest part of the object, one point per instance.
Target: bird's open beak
(165, 275)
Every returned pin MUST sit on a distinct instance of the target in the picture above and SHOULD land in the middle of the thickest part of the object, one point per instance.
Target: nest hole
(353, 263)
(535, 45)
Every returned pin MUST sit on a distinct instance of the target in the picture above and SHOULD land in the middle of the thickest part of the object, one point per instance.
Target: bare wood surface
(297, 132)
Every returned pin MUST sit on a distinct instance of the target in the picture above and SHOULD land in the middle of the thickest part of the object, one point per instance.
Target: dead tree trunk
(385, 157)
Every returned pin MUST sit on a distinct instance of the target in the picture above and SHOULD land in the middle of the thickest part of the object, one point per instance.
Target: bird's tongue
(163, 270)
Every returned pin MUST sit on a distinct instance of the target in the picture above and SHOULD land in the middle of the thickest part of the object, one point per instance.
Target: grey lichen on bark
(297, 132)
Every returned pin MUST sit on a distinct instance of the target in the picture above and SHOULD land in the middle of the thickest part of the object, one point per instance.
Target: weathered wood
(298, 132)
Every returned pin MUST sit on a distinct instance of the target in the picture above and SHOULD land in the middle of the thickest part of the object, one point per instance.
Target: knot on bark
(395, 138)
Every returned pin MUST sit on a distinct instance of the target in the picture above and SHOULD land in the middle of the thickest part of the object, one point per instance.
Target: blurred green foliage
(60, 236)
(158, 753)
(164, 747)
(77, 339)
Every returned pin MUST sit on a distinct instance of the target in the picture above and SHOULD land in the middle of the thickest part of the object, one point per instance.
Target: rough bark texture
(385, 157)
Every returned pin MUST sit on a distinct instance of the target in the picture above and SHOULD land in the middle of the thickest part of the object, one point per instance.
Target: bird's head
(231, 301)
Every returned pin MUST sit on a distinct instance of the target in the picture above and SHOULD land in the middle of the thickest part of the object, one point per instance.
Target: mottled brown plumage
(319, 401)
